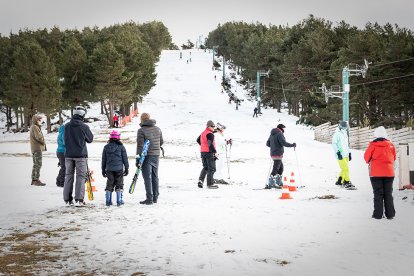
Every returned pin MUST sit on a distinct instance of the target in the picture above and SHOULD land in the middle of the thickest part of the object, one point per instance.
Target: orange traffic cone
(285, 185)
(285, 194)
(292, 186)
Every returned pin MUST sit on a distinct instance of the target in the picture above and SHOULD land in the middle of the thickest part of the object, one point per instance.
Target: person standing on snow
(277, 142)
(149, 131)
(340, 145)
(116, 120)
(37, 145)
(221, 147)
(77, 134)
(255, 112)
(208, 156)
(381, 155)
(60, 153)
(114, 160)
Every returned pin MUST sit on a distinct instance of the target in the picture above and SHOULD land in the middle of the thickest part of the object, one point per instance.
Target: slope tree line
(52, 70)
(314, 51)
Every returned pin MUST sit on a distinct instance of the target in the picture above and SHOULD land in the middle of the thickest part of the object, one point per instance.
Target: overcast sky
(187, 19)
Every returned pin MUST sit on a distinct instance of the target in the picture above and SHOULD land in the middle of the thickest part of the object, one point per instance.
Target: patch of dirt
(325, 197)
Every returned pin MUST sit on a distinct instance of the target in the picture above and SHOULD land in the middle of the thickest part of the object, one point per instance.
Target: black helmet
(281, 126)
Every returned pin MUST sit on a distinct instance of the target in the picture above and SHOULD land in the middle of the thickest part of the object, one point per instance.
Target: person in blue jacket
(60, 153)
(340, 145)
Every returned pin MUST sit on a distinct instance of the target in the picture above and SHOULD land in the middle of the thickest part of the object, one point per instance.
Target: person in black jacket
(77, 134)
(114, 160)
(277, 142)
(149, 131)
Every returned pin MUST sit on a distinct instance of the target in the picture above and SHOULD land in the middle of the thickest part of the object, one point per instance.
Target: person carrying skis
(60, 153)
(277, 142)
(37, 145)
(381, 155)
(77, 134)
(208, 156)
(340, 145)
(149, 131)
(221, 147)
(114, 160)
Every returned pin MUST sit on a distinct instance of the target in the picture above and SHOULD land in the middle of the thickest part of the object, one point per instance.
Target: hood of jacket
(76, 121)
(35, 120)
(150, 122)
(112, 147)
(381, 142)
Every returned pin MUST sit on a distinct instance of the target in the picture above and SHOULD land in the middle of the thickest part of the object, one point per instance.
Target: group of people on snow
(73, 156)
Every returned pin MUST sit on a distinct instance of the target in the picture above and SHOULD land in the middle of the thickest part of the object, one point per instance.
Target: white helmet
(79, 110)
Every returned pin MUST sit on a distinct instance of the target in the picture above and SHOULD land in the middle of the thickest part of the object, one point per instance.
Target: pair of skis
(139, 168)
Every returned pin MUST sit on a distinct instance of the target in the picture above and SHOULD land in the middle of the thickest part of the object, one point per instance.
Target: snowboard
(141, 160)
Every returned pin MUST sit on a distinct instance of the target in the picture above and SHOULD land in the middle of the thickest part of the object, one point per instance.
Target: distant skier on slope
(277, 142)
(208, 156)
(340, 145)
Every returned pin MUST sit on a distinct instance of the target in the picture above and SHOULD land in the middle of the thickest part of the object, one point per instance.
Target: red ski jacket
(380, 155)
(205, 147)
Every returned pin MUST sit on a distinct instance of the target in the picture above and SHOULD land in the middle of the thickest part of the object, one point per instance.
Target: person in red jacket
(380, 155)
(116, 120)
(208, 155)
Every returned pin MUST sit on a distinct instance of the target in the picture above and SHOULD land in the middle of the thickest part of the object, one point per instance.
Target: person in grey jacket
(277, 142)
(149, 131)
(77, 134)
(114, 160)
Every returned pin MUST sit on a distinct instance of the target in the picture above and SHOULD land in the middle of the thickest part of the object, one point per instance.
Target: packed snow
(238, 229)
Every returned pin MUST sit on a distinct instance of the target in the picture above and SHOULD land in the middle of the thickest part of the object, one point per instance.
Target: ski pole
(228, 162)
(268, 172)
(297, 165)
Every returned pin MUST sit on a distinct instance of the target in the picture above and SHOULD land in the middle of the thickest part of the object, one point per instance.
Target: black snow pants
(209, 167)
(382, 188)
(115, 180)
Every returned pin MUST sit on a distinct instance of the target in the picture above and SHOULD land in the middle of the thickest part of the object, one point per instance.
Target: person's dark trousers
(60, 179)
(114, 180)
(277, 167)
(150, 175)
(209, 167)
(116, 124)
(382, 187)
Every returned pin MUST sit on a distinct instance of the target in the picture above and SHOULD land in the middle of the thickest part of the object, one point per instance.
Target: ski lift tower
(260, 73)
(350, 70)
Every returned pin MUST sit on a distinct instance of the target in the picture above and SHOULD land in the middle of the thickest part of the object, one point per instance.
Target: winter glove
(58, 164)
(137, 162)
(350, 157)
(103, 173)
(126, 172)
(339, 155)
(294, 145)
(229, 142)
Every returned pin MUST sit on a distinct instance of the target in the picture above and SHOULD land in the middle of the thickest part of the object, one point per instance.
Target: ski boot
(349, 186)
(119, 200)
(200, 184)
(278, 181)
(108, 197)
(339, 181)
(271, 182)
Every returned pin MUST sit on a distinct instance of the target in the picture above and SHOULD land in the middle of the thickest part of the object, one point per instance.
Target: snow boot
(146, 202)
(119, 200)
(213, 186)
(339, 181)
(108, 197)
(37, 183)
(200, 184)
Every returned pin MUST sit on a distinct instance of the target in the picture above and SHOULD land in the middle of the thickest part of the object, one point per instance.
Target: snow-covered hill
(237, 229)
